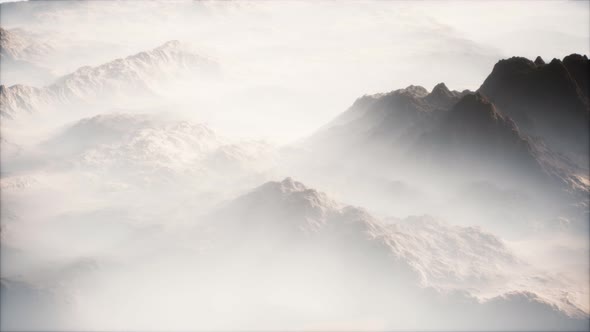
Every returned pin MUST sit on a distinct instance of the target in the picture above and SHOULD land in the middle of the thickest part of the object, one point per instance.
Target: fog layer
(294, 165)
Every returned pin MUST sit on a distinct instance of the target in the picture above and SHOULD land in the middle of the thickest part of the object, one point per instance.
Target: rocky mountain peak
(545, 101)
(414, 91)
(442, 97)
(440, 88)
(539, 61)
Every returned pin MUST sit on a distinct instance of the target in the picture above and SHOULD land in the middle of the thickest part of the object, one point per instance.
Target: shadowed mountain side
(405, 130)
(408, 135)
(388, 121)
(578, 67)
(529, 122)
(547, 101)
(474, 136)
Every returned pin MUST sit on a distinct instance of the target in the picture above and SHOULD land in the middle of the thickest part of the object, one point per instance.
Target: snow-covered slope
(137, 75)
(19, 99)
(154, 148)
(143, 71)
(17, 44)
(293, 252)
(22, 57)
(290, 227)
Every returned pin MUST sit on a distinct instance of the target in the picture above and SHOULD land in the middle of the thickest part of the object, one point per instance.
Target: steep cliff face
(528, 119)
(578, 67)
(475, 135)
(385, 123)
(547, 101)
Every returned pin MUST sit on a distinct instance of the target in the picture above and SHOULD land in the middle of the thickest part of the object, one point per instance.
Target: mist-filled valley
(252, 165)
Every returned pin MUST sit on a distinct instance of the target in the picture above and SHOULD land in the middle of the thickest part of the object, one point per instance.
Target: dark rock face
(528, 120)
(539, 61)
(442, 97)
(579, 68)
(381, 116)
(394, 112)
(474, 135)
(545, 101)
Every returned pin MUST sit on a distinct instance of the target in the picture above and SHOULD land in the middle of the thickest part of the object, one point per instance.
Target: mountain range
(17, 45)
(139, 74)
(528, 124)
(22, 53)
(287, 231)
(146, 147)
(521, 140)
